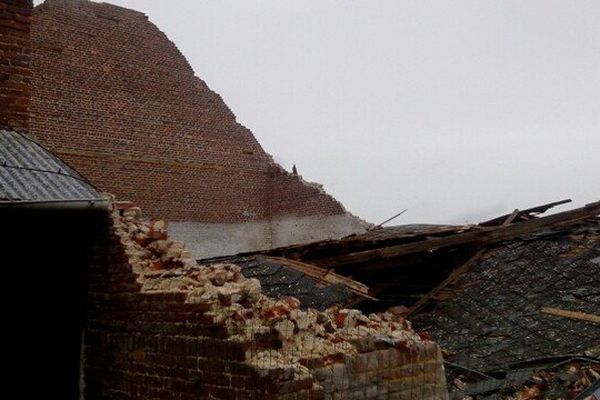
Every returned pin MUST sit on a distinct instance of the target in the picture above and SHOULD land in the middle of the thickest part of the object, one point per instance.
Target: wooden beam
(449, 280)
(325, 276)
(511, 217)
(361, 242)
(485, 235)
(387, 220)
(571, 314)
(537, 209)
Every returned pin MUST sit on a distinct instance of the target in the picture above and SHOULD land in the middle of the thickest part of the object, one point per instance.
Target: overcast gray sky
(455, 110)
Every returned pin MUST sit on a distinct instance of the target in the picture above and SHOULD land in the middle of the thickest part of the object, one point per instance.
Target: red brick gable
(118, 101)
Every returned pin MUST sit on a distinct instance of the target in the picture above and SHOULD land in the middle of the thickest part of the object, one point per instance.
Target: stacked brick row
(15, 54)
(386, 374)
(175, 330)
(161, 348)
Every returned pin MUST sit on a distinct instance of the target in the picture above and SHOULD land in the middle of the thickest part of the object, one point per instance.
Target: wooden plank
(387, 220)
(325, 276)
(537, 209)
(353, 243)
(511, 217)
(387, 234)
(571, 314)
(360, 242)
(486, 235)
(449, 280)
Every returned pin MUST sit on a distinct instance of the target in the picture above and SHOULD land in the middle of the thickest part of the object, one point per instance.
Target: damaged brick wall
(151, 345)
(115, 98)
(161, 327)
(15, 73)
(285, 198)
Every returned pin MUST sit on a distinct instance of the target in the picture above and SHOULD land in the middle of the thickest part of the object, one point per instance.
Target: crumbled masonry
(162, 264)
(566, 381)
(227, 298)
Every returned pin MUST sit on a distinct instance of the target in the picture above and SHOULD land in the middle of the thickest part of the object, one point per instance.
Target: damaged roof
(502, 297)
(29, 173)
(278, 281)
(503, 309)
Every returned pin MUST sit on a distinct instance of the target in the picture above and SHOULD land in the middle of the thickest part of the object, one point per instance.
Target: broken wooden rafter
(325, 276)
(449, 280)
(571, 314)
(386, 234)
(484, 236)
(387, 220)
(524, 214)
(365, 241)
(511, 217)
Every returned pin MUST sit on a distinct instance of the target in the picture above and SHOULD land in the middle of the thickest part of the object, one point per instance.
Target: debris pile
(227, 298)
(148, 244)
(565, 381)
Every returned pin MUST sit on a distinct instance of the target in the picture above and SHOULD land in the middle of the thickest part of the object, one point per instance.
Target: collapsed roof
(514, 293)
(280, 277)
(401, 265)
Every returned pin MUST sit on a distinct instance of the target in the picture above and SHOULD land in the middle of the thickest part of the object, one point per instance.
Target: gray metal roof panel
(29, 172)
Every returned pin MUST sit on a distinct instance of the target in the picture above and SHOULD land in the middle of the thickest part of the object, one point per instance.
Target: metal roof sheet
(31, 173)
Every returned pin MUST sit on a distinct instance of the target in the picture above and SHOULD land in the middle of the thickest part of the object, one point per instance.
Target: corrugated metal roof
(30, 173)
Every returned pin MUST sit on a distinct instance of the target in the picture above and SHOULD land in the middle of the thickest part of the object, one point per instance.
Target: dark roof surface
(278, 281)
(495, 319)
(30, 173)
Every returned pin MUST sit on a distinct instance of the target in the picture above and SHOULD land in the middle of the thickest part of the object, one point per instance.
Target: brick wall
(286, 199)
(170, 333)
(386, 374)
(157, 347)
(118, 101)
(15, 73)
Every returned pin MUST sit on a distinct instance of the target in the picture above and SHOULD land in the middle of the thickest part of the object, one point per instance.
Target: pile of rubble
(565, 383)
(147, 243)
(236, 302)
(569, 380)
